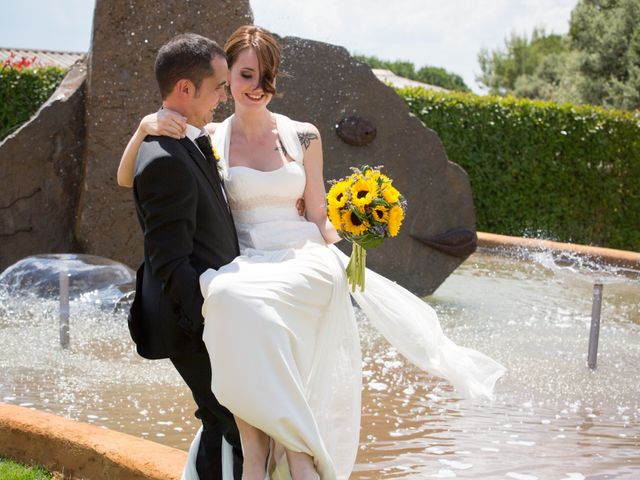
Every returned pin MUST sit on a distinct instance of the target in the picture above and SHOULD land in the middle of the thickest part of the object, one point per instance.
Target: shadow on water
(551, 418)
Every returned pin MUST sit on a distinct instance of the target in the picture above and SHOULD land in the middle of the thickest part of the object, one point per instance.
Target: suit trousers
(217, 421)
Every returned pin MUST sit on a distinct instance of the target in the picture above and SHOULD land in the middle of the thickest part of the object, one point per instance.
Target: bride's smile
(247, 81)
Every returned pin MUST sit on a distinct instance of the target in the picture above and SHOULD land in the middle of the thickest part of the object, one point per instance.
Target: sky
(447, 34)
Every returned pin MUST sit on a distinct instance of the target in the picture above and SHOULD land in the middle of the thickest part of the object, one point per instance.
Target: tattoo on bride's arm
(305, 138)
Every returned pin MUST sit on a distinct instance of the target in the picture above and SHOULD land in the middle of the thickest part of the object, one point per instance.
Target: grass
(10, 470)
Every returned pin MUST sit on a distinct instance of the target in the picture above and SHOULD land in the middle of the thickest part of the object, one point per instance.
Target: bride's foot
(253, 471)
(301, 466)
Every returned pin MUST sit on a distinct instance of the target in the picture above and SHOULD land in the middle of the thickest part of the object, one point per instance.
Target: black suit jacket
(187, 229)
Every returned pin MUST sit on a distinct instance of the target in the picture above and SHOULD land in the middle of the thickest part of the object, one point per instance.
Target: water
(552, 418)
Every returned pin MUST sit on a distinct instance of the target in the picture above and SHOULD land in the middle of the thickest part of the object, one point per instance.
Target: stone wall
(41, 167)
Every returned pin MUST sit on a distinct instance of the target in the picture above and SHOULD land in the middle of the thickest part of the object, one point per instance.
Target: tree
(556, 78)
(520, 56)
(402, 68)
(431, 75)
(607, 33)
(597, 62)
(439, 76)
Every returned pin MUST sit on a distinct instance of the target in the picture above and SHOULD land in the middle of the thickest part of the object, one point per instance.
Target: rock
(122, 88)
(324, 85)
(41, 171)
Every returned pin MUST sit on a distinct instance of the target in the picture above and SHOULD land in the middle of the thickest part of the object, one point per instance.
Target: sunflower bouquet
(365, 208)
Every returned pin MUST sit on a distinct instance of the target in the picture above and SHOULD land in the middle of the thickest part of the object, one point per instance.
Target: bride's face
(244, 81)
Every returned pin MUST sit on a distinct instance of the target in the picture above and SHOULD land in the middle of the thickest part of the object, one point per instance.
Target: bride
(279, 322)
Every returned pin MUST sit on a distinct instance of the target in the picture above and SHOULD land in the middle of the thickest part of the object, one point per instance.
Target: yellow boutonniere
(215, 154)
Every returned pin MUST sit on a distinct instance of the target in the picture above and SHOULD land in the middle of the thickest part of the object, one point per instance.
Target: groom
(187, 228)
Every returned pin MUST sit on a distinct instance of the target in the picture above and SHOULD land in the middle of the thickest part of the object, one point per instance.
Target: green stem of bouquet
(356, 267)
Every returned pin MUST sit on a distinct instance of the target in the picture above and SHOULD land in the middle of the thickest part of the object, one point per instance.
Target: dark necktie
(204, 144)
(205, 147)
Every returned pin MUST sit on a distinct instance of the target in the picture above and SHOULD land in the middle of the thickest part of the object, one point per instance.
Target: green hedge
(563, 172)
(22, 92)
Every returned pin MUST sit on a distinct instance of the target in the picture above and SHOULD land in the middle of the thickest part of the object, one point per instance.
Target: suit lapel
(203, 164)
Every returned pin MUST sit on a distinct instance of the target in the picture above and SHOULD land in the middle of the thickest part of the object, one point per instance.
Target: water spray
(64, 308)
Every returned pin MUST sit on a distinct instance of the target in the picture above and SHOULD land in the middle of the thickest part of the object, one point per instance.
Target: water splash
(96, 280)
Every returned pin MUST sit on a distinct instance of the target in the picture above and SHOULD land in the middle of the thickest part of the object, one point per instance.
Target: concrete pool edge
(611, 256)
(81, 450)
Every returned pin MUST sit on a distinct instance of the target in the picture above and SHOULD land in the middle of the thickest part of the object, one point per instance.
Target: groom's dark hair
(187, 55)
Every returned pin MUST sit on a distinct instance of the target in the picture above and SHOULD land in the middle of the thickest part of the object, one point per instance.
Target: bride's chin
(253, 103)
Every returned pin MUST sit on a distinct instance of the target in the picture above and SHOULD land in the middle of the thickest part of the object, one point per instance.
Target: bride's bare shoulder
(306, 132)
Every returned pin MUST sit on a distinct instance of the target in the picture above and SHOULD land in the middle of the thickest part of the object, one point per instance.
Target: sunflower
(363, 191)
(380, 214)
(390, 194)
(380, 178)
(396, 215)
(334, 217)
(353, 224)
(337, 196)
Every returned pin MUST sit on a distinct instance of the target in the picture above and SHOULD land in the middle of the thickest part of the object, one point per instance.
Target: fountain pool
(551, 418)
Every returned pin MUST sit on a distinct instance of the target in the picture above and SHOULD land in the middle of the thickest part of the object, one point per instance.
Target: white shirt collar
(194, 132)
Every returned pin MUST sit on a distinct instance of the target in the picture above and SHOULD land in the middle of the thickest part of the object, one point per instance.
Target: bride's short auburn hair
(266, 47)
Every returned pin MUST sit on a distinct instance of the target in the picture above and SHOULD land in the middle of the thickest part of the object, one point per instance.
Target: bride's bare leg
(301, 466)
(255, 449)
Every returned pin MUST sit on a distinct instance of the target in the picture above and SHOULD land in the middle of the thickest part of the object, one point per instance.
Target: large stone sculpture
(324, 85)
(41, 169)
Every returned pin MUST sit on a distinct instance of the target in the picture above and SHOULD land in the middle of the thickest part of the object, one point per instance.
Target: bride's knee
(226, 292)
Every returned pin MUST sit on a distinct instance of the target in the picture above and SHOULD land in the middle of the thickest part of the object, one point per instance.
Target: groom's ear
(184, 87)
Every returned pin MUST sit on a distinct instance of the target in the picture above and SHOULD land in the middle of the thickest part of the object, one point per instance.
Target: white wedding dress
(281, 331)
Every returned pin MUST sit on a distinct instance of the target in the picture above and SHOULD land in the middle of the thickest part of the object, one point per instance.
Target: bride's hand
(300, 206)
(166, 123)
